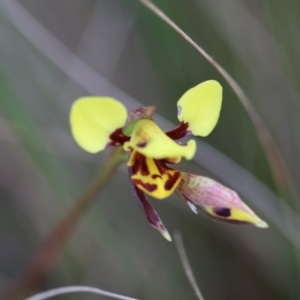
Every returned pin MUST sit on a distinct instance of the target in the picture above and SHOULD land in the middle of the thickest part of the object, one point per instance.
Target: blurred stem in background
(52, 246)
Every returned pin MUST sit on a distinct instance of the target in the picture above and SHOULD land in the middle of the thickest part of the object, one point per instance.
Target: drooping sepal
(149, 211)
(153, 177)
(217, 201)
(148, 139)
(94, 120)
(200, 107)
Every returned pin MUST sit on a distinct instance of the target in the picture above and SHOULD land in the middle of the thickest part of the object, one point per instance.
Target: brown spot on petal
(223, 212)
(142, 145)
(161, 166)
(143, 166)
(155, 176)
(140, 165)
(147, 186)
(171, 181)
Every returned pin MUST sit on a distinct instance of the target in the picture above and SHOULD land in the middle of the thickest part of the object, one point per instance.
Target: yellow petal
(153, 177)
(94, 119)
(200, 107)
(216, 200)
(147, 138)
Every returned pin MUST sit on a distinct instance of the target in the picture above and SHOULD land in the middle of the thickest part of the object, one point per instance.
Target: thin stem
(277, 164)
(77, 289)
(50, 249)
(186, 265)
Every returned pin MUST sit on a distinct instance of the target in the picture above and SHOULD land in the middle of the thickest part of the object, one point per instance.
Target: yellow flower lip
(148, 139)
(153, 176)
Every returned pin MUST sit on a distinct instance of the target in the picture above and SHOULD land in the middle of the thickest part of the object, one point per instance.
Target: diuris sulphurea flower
(101, 122)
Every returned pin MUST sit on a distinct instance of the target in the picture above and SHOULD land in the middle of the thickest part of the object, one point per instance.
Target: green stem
(51, 247)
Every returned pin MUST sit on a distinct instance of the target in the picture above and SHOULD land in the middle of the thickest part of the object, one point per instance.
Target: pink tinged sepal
(150, 212)
(216, 201)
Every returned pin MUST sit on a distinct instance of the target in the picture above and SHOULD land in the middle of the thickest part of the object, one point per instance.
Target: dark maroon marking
(171, 181)
(140, 165)
(229, 221)
(161, 166)
(118, 138)
(155, 176)
(179, 132)
(142, 145)
(135, 166)
(143, 167)
(147, 186)
(222, 212)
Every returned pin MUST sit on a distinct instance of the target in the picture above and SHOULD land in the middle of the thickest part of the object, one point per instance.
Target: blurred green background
(54, 51)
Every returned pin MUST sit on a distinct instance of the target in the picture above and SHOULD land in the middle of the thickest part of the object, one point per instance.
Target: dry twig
(186, 265)
(76, 289)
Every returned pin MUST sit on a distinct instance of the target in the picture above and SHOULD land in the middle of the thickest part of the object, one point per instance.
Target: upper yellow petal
(200, 107)
(148, 139)
(94, 119)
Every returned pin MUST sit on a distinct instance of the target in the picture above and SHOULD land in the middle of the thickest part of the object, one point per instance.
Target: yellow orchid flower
(101, 122)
